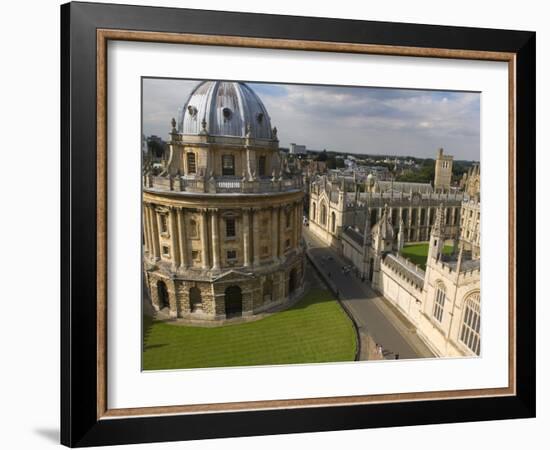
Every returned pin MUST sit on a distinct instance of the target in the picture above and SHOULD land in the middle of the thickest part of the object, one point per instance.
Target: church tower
(443, 171)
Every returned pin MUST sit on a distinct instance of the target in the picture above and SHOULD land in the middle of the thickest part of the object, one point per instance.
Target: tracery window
(439, 303)
(469, 332)
(323, 214)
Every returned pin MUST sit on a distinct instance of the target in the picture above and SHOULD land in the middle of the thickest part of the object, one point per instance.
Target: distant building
(443, 171)
(296, 149)
(369, 222)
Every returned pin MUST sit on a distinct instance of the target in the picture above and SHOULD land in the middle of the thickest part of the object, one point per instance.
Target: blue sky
(388, 121)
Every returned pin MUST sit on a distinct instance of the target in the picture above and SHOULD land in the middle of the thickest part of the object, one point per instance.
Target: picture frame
(86, 418)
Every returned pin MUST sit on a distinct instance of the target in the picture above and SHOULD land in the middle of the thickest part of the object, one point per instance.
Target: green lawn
(316, 329)
(418, 253)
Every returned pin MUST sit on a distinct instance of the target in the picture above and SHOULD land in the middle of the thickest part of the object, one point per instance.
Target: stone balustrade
(221, 185)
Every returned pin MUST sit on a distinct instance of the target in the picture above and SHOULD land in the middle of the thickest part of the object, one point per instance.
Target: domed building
(222, 221)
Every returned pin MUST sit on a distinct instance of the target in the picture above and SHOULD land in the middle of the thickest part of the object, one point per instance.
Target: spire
(438, 223)
(401, 235)
(367, 229)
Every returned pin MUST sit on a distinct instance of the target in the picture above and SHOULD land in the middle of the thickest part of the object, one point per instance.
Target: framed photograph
(278, 224)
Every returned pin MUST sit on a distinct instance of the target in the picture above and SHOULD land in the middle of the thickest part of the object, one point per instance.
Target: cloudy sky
(347, 119)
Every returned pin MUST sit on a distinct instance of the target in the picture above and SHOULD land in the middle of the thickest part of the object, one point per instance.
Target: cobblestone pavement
(372, 313)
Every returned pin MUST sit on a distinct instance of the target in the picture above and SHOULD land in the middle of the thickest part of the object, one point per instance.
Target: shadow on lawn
(313, 297)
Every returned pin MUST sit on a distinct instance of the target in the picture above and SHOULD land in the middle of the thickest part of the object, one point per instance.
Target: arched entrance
(292, 280)
(162, 292)
(195, 299)
(268, 291)
(233, 302)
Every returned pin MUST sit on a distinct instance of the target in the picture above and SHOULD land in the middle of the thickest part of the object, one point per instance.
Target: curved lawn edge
(314, 330)
(335, 291)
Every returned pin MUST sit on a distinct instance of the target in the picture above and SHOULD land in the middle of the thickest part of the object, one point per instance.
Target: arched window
(333, 222)
(469, 332)
(192, 228)
(261, 166)
(228, 165)
(195, 299)
(323, 214)
(191, 163)
(230, 227)
(439, 302)
(314, 212)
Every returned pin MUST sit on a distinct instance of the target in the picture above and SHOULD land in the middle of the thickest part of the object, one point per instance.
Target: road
(372, 313)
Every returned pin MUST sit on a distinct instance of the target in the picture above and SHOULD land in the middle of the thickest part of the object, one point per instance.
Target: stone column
(246, 237)
(274, 235)
(204, 240)
(409, 225)
(256, 235)
(418, 222)
(215, 240)
(146, 235)
(153, 225)
(174, 240)
(298, 223)
(182, 238)
(282, 228)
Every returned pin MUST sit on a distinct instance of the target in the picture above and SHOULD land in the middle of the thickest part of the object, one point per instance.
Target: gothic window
(448, 216)
(439, 303)
(191, 163)
(261, 166)
(333, 222)
(230, 227)
(422, 216)
(469, 333)
(413, 216)
(323, 214)
(314, 211)
(228, 165)
(373, 217)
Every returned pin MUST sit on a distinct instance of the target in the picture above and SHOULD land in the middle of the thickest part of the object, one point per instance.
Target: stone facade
(217, 245)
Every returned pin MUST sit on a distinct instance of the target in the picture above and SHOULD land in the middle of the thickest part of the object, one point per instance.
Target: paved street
(372, 313)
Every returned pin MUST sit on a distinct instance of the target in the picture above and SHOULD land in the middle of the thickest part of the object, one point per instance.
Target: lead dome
(225, 108)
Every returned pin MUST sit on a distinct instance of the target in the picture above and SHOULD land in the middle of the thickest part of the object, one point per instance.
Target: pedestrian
(397, 356)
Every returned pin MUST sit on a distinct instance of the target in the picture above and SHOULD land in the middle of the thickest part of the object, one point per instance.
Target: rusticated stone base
(207, 296)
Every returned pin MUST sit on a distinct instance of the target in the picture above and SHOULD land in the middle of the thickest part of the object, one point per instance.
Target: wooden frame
(86, 418)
